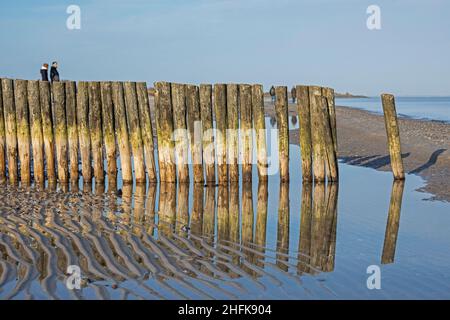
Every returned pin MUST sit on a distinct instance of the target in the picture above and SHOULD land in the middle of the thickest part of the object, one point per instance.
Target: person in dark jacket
(54, 74)
(44, 72)
(293, 94)
(272, 93)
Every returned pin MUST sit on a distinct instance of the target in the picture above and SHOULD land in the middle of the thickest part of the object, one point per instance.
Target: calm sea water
(253, 241)
(431, 108)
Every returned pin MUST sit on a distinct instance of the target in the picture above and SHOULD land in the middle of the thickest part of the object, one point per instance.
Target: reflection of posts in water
(209, 213)
(139, 204)
(261, 219)
(197, 210)
(304, 244)
(247, 224)
(283, 227)
(182, 219)
(247, 214)
(167, 207)
(234, 219)
(149, 216)
(127, 193)
(393, 223)
(222, 213)
(323, 227)
(330, 227)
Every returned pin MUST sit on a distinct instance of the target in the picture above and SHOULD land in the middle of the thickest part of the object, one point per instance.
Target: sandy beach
(362, 142)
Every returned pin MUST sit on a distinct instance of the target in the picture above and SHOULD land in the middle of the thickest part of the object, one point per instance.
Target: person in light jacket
(44, 72)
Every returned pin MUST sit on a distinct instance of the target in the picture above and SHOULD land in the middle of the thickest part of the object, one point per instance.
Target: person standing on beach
(293, 94)
(54, 74)
(44, 72)
(272, 93)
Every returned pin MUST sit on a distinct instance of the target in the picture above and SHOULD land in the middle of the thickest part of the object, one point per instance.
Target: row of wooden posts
(46, 129)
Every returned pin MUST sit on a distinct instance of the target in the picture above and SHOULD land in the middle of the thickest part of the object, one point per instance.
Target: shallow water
(430, 108)
(252, 241)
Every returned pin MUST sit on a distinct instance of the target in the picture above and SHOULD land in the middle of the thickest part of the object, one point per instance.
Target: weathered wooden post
(180, 133)
(260, 128)
(72, 131)
(246, 132)
(233, 131)
(393, 135)
(281, 108)
(135, 131)
(2, 139)
(47, 129)
(330, 152)
(220, 114)
(59, 113)
(304, 115)
(164, 125)
(195, 131)
(84, 135)
(146, 130)
(329, 94)
(37, 139)
(95, 126)
(10, 128)
(109, 138)
(317, 135)
(23, 129)
(208, 134)
(121, 127)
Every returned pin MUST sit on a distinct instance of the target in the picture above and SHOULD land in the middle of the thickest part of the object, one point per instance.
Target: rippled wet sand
(250, 241)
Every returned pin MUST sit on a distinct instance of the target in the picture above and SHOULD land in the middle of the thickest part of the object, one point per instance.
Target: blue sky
(282, 42)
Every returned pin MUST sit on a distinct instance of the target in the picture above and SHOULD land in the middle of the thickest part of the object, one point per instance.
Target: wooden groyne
(65, 131)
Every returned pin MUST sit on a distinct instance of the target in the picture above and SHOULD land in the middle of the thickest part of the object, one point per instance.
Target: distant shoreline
(349, 96)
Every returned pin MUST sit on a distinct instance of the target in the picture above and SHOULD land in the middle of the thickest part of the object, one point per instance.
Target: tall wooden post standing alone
(180, 133)
(135, 131)
(260, 128)
(95, 124)
(393, 135)
(37, 140)
(304, 115)
(195, 131)
(220, 114)
(47, 129)
(246, 134)
(121, 127)
(208, 134)
(23, 129)
(59, 111)
(146, 130)
(109, 138)
(84, 136)
(164, 124)
(317, 135)
(281, 108)
(72, 130)
(2, 139)
(233, 132)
